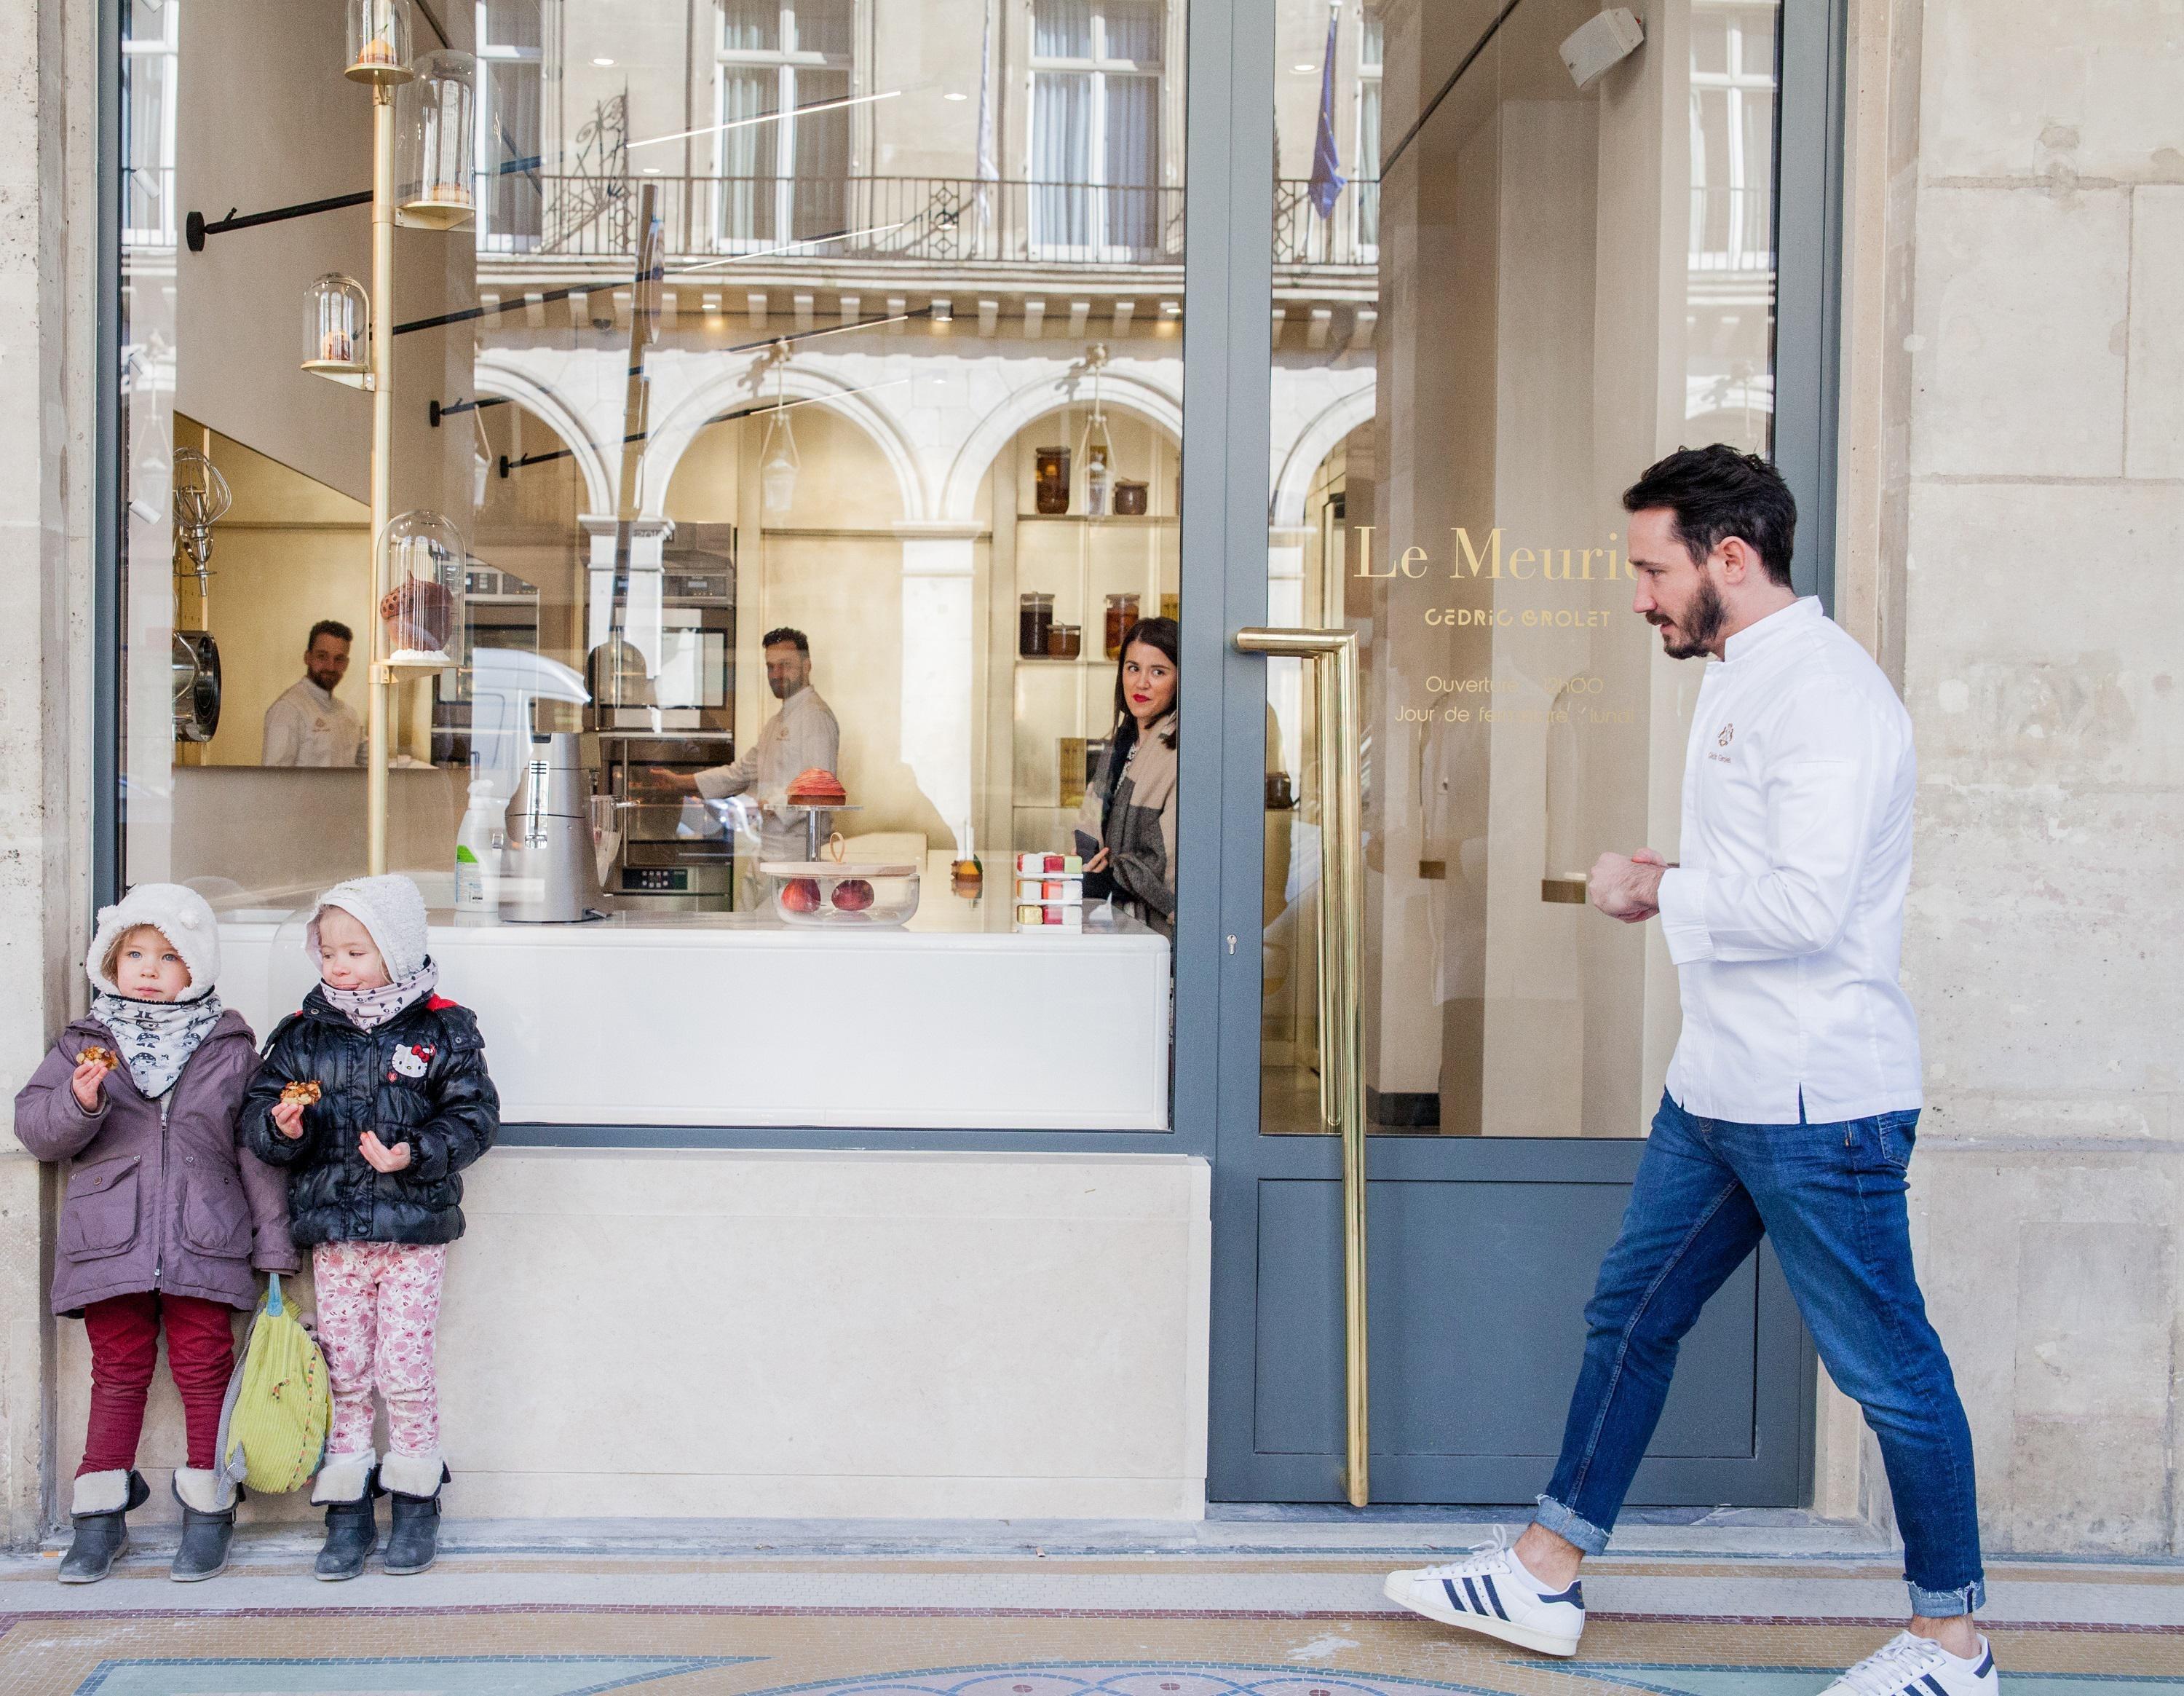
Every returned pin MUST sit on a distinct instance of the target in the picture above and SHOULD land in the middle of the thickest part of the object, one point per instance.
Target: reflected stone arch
(1125, 391)
(731, 391)
(500, 381)
(1325, 433)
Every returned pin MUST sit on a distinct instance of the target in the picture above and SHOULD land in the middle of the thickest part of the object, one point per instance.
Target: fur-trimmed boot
(414, 1481)
(345, 1488)
(208, 1500)
(100, 1513)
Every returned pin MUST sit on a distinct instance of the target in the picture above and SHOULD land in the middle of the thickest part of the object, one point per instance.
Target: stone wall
(47, 264)
(2018, 399)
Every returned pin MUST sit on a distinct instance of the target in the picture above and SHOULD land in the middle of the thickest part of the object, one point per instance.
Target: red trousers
(124, 1347)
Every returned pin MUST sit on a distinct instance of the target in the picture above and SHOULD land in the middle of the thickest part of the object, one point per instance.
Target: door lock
(1232, 944)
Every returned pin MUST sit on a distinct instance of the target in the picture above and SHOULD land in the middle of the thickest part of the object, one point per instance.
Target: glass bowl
(828, 893)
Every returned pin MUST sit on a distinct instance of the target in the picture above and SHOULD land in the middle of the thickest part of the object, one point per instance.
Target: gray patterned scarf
(156, 1038)
(368, 1009)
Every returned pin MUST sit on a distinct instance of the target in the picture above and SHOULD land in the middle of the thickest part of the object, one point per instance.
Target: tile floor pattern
(504, 1625)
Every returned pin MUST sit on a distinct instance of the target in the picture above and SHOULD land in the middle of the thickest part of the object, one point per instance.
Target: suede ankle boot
(414, 1542)
(208, 1502)
(103, 1502)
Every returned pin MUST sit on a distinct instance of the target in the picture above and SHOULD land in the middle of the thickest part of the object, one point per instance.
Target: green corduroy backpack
(273, 1425)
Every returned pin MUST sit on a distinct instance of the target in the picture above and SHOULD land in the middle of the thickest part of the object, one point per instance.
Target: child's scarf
(368, 1009)
(156, 1038)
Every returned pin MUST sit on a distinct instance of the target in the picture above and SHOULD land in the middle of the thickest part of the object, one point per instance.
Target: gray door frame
(1227, 373)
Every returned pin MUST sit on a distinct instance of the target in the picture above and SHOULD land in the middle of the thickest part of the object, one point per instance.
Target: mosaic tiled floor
(569, 1651)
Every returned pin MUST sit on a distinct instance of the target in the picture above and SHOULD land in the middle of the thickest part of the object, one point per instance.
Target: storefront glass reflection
(805, 393)
(1498, 297)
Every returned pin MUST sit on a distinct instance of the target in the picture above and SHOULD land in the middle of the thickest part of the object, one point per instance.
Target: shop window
(784, 139)
(787, 557)
(1095, 127)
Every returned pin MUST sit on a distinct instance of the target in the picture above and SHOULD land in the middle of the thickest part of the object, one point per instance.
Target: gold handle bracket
(1341, 982)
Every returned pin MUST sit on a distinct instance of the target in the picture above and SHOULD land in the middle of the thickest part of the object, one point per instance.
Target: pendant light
(1095, 448)
(778, 461)
(434, 131)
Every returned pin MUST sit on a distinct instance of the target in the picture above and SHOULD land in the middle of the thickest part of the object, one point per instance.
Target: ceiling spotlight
(953, 95)
(1304, 70)
(602, 63)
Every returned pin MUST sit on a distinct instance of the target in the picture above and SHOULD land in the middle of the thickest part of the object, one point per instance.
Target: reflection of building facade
(911, 257)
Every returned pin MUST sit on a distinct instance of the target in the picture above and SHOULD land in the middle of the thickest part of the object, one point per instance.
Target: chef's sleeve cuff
(716, 784)
(1682, 900)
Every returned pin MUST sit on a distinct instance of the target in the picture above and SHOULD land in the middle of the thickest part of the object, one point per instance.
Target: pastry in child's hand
(103, 1057)
(303, 1093)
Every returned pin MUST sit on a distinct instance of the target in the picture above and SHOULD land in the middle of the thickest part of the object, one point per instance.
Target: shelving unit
(1080, 560)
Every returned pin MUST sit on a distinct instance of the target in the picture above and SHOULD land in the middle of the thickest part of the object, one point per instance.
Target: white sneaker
(1490, 1593)
(1908, 1665)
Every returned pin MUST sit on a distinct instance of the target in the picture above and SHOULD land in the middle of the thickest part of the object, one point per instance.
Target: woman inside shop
(1127, 830)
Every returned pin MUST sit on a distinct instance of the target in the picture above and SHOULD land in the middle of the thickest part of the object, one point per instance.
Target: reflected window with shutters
(783, 143)
(1095, 128)
(511, 49)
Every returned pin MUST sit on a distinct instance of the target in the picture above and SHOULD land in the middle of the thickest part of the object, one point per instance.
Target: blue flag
(1328, 180)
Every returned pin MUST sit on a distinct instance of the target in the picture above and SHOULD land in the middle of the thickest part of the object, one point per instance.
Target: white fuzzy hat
(177, 913)
(391, 908)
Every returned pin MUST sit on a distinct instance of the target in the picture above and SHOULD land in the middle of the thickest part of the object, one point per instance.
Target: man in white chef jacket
(307, 726)
(801, 736)
(1793, 1096)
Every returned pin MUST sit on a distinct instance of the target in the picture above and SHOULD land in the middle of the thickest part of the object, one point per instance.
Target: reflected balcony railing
(148, 218)
(1732, 230)
(1348, 235)
(922, 219)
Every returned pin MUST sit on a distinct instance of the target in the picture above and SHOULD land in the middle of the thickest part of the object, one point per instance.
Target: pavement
(1260, 1604)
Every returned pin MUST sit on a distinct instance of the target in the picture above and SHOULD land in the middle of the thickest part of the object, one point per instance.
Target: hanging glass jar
(421, 613)
(338, 330)
(379, 41)
(434, 131)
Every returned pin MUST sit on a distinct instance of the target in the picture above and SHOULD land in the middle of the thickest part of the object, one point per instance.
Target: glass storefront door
(1498, 297)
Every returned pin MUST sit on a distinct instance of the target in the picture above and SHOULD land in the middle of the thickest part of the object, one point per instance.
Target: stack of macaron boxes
(1049, 892)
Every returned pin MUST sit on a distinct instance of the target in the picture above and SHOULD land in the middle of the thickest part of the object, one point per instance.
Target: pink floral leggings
(379, 1310)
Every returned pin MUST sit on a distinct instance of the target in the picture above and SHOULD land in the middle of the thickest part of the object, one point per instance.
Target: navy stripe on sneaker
(1985, 1666)
(1574, 1595)
(1493, 1595)
(1470, 1590)
(1455, 1601)
(1932, 1684)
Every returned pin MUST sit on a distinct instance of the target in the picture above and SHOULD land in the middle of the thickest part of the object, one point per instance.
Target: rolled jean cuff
(1580, 1534)
(1945, 1605)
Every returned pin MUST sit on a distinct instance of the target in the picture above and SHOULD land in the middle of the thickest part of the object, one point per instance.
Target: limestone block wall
(2026, 331)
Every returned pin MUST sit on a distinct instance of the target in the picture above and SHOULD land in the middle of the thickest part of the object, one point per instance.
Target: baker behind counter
(802, 736)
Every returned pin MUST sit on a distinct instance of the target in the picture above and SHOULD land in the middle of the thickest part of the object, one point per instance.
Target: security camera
(1591, 51)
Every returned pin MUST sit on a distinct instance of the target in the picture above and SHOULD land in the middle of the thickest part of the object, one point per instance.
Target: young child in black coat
(374, 1096)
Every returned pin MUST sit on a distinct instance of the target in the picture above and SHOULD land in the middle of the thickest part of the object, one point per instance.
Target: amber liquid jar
(1130, 499)
(1050, 480)
(1034, 624)
(1065, 641)
(1122, 614)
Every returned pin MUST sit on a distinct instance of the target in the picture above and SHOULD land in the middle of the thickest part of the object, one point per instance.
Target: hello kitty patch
(412, 1060)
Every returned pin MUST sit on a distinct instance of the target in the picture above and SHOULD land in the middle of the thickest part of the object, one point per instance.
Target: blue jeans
(1831, 1197)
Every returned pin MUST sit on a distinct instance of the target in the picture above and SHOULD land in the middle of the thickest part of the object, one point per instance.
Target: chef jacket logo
(1727, 735)
(411, 1059)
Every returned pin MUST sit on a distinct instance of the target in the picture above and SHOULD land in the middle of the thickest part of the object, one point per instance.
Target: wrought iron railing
(948, 220)
(1347, 234)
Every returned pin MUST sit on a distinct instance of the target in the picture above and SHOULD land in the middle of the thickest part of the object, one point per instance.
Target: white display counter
(957, 1022)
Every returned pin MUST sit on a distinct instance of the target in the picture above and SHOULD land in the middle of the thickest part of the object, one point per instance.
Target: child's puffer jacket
(418, 1078)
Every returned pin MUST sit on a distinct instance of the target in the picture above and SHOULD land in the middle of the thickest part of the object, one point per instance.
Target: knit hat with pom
(179, 914)
(391, 908)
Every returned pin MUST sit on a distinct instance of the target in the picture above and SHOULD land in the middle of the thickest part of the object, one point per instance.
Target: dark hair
(1154, 633)
(327, 626)
(1716, 493)
(774, 639)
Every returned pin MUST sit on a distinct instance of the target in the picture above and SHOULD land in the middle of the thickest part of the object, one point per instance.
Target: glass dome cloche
(435, 117)
(420, 615)
(338, 329)
(379, 41)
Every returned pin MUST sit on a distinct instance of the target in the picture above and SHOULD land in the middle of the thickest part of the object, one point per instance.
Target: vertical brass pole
(1333, 653)
(379, 726)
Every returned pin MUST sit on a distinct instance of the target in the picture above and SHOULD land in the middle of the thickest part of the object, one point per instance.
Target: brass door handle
(1341, 982)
